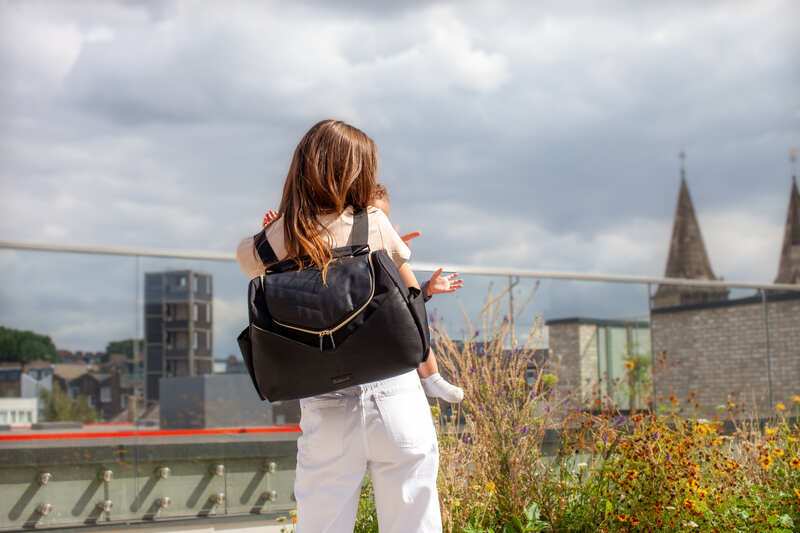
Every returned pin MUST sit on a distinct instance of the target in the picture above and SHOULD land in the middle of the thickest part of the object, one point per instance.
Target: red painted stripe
(150, 433)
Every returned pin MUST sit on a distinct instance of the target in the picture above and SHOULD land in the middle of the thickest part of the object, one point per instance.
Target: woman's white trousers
(384, 426)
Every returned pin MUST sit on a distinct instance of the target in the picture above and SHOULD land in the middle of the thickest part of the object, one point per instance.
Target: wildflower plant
(517, 457)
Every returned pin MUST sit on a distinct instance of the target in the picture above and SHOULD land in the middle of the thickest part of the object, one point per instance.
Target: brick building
(747, 346)
(744, 349)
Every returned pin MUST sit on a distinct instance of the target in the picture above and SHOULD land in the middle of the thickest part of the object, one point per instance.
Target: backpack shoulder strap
(360, 234)
(263, 248)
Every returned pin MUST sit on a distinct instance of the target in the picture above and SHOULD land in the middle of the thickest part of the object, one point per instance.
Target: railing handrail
(422, 267)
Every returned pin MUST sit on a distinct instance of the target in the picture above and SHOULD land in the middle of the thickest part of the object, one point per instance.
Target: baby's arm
(439, 285)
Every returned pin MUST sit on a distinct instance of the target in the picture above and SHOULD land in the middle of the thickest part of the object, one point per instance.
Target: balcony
(193, 464)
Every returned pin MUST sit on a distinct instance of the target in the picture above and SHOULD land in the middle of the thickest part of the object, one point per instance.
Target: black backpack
(307, 338)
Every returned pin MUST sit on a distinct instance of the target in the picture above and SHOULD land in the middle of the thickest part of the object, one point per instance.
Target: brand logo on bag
(338, 380)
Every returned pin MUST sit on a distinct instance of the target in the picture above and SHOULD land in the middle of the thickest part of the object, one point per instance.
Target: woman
(384, 426)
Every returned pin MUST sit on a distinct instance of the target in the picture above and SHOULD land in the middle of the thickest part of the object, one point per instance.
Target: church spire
(687, 256)
(789, 266)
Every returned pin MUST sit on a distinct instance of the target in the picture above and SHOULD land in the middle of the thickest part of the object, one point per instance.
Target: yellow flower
(689, 504)
(631, 474)
(766, 461)
(777, 452)
(795, 462)
(716, 442)
(622, 517)
(490, 486)
(780, 407)
(769, 431)
(796, 398)
(791, 439)
(797, 493)
(731, 404)
(702, 494)
(281, 519)
(629, 365)
(293, 512)
(634, 521)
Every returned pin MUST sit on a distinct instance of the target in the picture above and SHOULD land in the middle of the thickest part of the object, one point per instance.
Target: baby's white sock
(436, 386)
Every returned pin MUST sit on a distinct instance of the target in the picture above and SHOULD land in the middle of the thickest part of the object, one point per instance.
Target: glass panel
(183, 434)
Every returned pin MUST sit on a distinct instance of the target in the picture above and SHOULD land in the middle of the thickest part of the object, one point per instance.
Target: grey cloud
(166, 124)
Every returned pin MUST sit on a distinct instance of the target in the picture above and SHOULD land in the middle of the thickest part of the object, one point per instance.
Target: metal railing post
(769, 355)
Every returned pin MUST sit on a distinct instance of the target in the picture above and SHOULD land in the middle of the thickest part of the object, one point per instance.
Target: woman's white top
(382, 236)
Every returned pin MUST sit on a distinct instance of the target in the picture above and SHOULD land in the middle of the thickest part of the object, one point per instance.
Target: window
(29, 416)
(196, 312)
(74, 391)
(196, 284)
(3, 417)
(208, 312)
(13, 417)
(182, 282)
(105, 394)
(92, 401)
(196, 340)
(124, 401)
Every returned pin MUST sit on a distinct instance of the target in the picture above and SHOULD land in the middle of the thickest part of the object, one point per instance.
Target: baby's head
(380, 198)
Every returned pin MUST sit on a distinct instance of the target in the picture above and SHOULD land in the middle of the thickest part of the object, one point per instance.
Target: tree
(59, 407)
(123, 346)
(23, 346)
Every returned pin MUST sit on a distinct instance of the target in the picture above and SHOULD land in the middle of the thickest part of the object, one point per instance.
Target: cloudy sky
(541, 135)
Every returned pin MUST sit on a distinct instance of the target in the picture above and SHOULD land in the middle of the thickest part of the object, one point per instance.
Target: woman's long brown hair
(334, 165)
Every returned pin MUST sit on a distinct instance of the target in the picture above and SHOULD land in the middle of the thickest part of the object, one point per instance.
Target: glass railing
(105, 430)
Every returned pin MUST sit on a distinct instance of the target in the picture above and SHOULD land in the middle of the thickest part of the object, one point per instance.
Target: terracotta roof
(69, 372)
(789, 265)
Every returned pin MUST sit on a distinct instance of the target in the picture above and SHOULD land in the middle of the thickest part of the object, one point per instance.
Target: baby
(433, 383)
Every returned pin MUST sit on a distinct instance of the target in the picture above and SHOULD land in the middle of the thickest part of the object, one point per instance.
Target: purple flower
(524, 430)
(547, 409)
(655, 435)
(477, 332)
(538, 282)
(481, 408)
(605, 439)
(564, 403)
(669, 457)
(621, 420)
(467, 440)
(472, 369)
(513, 441)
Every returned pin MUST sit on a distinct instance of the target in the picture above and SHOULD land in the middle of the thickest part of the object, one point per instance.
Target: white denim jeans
(385, 426)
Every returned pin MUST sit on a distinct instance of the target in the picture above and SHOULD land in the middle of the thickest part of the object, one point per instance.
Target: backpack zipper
(330, 332)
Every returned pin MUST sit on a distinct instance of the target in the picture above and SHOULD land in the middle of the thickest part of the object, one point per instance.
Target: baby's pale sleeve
(392, 243)
(248, 259)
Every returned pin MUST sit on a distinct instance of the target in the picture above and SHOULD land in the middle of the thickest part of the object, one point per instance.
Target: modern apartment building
(178, 326)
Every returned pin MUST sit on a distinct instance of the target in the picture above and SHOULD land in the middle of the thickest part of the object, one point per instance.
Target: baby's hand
(269, 217)
(439, 285)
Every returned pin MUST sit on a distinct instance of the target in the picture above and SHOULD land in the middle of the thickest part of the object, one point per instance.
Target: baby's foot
(436, 386)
